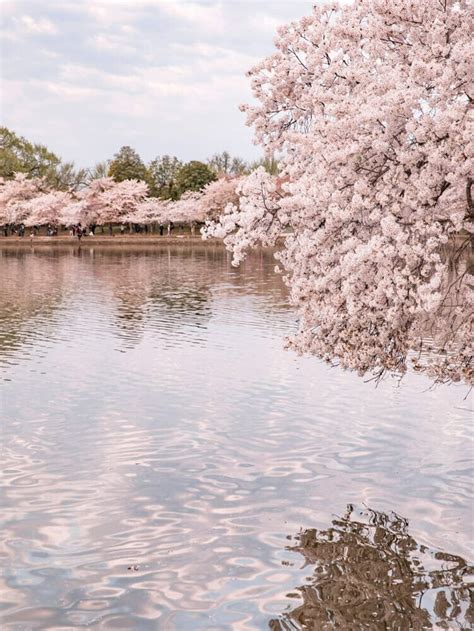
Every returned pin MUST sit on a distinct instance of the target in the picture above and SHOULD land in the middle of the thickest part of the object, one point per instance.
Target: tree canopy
(127, 165)
(162, 175)
(225, 164)
(18, 155)
(99, 170)
(31, 202)
(269, 164)
(369, 105)
(194, 176)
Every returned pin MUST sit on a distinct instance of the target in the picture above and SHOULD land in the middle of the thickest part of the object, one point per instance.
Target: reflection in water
(370, 573)
(150, 419)
(170, 286)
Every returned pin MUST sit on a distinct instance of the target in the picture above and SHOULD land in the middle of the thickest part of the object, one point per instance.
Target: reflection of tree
(29, 300)
(170, 288)
(191, 304)
(371, 574)
(164, 289)
(154, 289)
(138, 308)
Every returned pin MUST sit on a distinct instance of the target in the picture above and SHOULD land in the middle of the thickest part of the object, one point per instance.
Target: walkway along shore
(107, 240)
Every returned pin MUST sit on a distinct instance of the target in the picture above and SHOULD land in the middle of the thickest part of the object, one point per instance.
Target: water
(167, 465)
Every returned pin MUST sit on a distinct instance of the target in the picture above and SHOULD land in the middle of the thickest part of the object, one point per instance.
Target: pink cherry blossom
(45, 208)
(13, 197)
(217, 195)
(119, 200)
(148, 211)
(369, 105)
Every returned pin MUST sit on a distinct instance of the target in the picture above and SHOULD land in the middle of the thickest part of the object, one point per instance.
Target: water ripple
(161, 452)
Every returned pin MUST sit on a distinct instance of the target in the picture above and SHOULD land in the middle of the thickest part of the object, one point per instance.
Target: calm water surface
(167, 465)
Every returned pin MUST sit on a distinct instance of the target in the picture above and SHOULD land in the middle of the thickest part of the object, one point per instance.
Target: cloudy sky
(164, 76)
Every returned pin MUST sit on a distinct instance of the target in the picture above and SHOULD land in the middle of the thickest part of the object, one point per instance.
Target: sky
(85, 77)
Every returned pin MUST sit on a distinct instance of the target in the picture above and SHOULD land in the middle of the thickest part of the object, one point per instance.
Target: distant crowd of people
(14, 229)
(79, 231)
(19, 230)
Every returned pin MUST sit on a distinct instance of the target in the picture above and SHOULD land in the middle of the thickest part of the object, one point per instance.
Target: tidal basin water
(168, 465)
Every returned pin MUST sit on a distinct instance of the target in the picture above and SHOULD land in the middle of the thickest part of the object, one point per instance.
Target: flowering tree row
(370, 105)
(30, 202)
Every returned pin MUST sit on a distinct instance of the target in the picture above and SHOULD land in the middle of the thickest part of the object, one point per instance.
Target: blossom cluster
(369, 105)
(30, 202)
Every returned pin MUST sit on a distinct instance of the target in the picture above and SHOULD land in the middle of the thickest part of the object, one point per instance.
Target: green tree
(66, 177)
(270, 165)
(163, 172)
(99, 170)
(224, 164)
(17, 154)
(127, 165)
(194, 176)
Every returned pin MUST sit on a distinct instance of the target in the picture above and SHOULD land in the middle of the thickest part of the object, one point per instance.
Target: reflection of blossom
(370, 573)
(143, 293)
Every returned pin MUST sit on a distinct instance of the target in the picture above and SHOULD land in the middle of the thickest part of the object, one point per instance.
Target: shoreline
(134, 240)
(106, 240)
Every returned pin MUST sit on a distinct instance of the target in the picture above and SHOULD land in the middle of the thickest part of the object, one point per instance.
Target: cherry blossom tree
(88, 205)
(255, 219)
(106, 201)
(45, 208)
(187, 208)
(118, 201)
(198, 206)
(217, 195)
(150, 210)
(369, 105)
(14, 194)
(74, 212)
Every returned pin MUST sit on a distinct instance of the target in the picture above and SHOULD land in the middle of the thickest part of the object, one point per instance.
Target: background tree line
(166, 176)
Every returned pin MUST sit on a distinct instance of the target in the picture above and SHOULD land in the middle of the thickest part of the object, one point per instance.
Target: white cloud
(167, 75)
(40, 26)
(265, 22)
(203, 17)
(210, 58)
(111, 43)
(108, 12)
(49, 54)
(67, 91)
